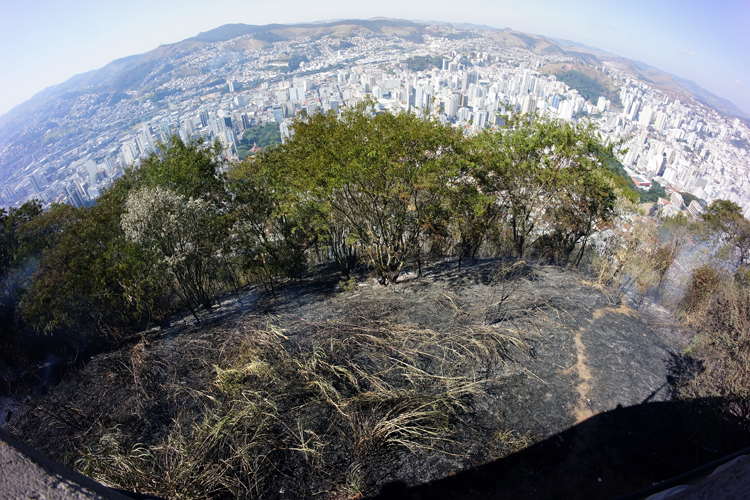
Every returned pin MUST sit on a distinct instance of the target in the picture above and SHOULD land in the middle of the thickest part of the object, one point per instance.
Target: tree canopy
(378, 193)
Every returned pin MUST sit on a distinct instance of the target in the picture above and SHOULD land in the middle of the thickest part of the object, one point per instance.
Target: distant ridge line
(119, 67)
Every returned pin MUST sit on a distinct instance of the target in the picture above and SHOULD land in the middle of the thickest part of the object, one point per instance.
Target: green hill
(590, 88)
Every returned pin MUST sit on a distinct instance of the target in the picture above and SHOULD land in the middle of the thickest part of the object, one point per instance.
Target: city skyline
(43, 44)
(238, 88)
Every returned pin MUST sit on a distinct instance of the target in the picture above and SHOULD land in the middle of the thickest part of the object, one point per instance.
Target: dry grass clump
(504, 306)
(310, 409)
(637, 261)
(716, 306)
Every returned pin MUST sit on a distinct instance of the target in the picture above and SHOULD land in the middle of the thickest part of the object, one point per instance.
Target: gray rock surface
(26, 474)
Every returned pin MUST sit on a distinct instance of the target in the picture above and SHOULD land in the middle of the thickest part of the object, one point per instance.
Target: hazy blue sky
(45, 42)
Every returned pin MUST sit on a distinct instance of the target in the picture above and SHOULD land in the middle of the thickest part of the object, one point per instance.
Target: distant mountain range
(123, 74)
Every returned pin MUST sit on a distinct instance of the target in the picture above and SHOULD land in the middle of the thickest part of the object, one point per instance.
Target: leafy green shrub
(349, 285)
(186, 236)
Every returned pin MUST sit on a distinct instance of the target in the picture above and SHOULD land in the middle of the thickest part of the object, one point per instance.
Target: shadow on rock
(609, 455)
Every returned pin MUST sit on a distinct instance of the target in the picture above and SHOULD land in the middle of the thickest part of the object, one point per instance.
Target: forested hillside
(589, 88)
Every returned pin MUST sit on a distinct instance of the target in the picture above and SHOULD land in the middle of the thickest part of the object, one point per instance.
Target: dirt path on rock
(582, 409)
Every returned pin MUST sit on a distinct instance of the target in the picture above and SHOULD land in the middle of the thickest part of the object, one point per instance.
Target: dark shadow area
(609, 455)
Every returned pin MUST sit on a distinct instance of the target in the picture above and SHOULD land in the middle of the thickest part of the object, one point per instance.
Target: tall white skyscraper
(634, 110)
(646, 115)
(528, 105)
(91, 169)
(451, 105)
(661, 121)
(601, 104)
(565, 111)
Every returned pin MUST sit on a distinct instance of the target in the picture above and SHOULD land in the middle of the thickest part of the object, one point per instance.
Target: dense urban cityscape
(467, 78)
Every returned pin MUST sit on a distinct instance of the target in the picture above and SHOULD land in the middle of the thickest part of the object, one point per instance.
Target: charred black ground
(577, 406)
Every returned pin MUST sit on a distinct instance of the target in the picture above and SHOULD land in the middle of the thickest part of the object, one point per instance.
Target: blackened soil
(584, 411)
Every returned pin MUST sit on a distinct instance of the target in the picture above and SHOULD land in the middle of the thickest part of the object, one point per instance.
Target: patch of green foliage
(689, 198)
(264, 137)
(589, 88)
(653, 194)
(61, 132)
(422, 63)
(622, 180)
(294, 63)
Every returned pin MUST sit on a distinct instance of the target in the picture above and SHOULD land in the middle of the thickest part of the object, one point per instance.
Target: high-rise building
(463, 116)
(601, 104)
(480, 120)
(129, 153)
(189, 126)
(661, 121)
(565, 111)
(91, 169)
(296, 94)
(216, 126)
(468, 78)
(646, 115)
(109, 162)
(419, 97)
(409, 96)
(35, 183)
(285, 130)
(451, 105)
(144, 143)
(677, 200)
(528, 104)
(74, 197)
(633, 110)
(165, 130)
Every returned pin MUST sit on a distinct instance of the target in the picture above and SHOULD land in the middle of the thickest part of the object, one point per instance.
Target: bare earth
(584, 412)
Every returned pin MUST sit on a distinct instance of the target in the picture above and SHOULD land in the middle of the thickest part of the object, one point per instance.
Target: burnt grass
(583, 409)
